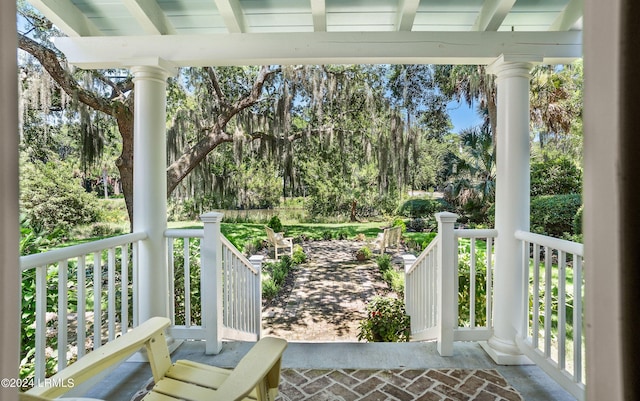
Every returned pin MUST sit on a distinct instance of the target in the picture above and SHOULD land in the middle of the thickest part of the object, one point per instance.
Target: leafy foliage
(364, 253)
(420, 207)
(298, 255)
(554, 215)
(52, 200)
(276, 273)
(387, 321)
(464, 284)
(389, 274)
(275, 224)
(555, 176)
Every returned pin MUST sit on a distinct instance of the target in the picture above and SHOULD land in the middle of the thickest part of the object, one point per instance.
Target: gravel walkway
(326, 297)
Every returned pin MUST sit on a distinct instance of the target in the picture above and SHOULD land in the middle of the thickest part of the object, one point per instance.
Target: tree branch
(50, 62)
(180, 168)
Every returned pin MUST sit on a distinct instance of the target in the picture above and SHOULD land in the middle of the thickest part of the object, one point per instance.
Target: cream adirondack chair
(278, 240)
(389, 237)
(256, 377)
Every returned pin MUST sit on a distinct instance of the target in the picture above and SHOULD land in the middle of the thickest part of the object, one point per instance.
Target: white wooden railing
(552, 335)
(241, 288)
(448, 271)
(69, 297)
(421, 292)
(432, 286)
(475, 253)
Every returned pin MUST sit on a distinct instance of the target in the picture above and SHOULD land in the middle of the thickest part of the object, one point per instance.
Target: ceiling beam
(321, 48)
(319, 13)
(67, 17)
(232, 15)
(407, 14)
(492, 15)
(569, 16)
(150, 17)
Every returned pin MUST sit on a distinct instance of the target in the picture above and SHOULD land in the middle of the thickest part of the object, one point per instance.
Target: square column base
(502, 358)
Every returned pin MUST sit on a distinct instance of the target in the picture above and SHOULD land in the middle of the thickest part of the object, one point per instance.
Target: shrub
(327, 235)
(420, 207)
(275, 224)
(399, 223)
(363, 253)
(298, 255)
(577, 221)
(389, 274)
(386, 321)
(384, 262)
(269, 289)
(52, 200)
(418, 224)
(555, 176)
(554, 215)
(464, 287)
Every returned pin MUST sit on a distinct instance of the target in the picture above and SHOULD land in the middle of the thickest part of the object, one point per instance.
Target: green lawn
(241, 233)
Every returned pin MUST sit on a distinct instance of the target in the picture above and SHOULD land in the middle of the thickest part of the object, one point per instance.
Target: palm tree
(473, 185)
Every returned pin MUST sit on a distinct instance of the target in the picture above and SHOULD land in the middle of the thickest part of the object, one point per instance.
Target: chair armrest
(263, 360)
(112, 353)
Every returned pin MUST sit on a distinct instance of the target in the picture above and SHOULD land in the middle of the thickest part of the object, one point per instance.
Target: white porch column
(212, 276)
(512, 203)
(150, 183)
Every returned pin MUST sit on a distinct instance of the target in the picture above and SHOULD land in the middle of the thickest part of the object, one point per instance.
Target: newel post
(447, 274)
(211, 264)
(256, 262)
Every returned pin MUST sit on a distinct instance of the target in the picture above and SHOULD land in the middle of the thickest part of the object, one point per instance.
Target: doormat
(383, 385)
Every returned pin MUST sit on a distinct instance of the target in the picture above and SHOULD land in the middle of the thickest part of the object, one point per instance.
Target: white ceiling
(291, 26)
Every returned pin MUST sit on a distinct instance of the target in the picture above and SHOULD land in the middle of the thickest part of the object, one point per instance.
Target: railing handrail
(184, 233)
(56, 255)
(555, 243)
(238, 254)
(476, 233)
(199, 233)
(428, 249)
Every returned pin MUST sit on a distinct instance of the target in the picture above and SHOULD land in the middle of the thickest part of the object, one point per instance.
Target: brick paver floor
(403, 385)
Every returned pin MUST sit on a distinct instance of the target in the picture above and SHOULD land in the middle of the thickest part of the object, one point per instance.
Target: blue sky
(462, 116)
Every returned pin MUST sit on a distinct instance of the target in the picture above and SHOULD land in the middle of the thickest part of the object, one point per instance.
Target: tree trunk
(353, 211)
(125, 161)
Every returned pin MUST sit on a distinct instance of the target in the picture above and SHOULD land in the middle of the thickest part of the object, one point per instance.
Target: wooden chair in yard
(389, 237)
(279, 241)
(256, 377)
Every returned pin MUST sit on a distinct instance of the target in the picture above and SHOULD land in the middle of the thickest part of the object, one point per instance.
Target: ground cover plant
(386, 321)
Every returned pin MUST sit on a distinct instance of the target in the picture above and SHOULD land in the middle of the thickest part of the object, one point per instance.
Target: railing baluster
(81, 305)
(526, 248)
(562, 312)
(186, 258)
(489, 284)
(535, 333)
(124, 293)
(97, 300)
(136, 282)
(111, 293)
(172, 279)
(41, 323)
(577, 318)
(548, 269)
(472, 285)
(63, 281)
